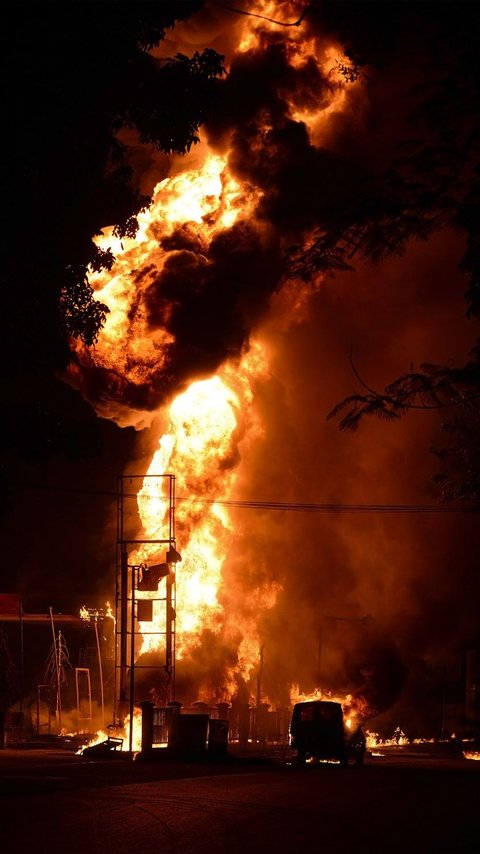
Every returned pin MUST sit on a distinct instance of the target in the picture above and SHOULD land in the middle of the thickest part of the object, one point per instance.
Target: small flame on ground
(399, 739)
(121, 732)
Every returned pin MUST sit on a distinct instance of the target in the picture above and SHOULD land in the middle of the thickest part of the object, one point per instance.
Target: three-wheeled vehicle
(318, 731)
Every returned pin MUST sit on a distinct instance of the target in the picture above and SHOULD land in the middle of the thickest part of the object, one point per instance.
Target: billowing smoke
(361, 600)
(204, 294)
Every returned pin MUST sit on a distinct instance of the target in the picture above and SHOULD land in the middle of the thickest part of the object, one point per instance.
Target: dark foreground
(55, 801)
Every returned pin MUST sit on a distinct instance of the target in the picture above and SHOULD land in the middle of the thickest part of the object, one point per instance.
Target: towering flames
(204, 354)
(178, 348)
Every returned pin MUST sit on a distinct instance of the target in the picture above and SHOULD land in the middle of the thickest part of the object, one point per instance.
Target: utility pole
(135, 576)
(259, 677)
(56, 653)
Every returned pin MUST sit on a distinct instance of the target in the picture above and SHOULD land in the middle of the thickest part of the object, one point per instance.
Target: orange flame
(197, 446)
(355, 708)
(121, 732)
(210, 420)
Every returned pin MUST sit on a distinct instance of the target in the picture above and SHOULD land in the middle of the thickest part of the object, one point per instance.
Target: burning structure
(178, 358)
(218, 351)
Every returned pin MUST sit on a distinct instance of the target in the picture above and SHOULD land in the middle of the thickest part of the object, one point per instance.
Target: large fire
(198, 446)
(208, 422)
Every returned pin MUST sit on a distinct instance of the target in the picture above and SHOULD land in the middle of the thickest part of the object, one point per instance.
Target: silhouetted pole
(132, 657)
(170, 616)
(259, 677)
(100, 672)
(20, 617)
(57, 669)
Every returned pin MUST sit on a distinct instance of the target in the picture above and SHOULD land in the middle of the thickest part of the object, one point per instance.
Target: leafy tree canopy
(74, 76)
(431, 181)
(77, 74)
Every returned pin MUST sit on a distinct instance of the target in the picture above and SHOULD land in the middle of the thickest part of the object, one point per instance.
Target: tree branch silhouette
(432, 387)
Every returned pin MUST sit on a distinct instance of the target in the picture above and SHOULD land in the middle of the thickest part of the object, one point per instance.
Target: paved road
(395, 803)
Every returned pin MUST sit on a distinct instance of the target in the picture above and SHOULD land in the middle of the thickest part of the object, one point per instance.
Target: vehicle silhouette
(318, 731)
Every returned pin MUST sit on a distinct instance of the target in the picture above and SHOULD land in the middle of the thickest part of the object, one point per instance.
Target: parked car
(318, 731)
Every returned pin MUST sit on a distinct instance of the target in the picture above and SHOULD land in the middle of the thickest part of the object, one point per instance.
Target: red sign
(9, 604)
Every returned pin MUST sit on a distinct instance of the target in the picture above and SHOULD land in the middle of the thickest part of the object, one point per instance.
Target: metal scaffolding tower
(136, 577)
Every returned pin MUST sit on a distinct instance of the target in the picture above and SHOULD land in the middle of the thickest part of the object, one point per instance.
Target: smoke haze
(363, 603)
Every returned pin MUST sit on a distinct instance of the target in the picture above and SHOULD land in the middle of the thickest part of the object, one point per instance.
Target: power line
(238, 11)
(344, 508)
(280, 506)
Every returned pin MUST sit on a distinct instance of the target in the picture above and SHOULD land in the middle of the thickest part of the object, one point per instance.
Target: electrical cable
(289, 506)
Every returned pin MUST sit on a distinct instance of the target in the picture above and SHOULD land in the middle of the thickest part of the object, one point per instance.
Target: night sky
(414, 574)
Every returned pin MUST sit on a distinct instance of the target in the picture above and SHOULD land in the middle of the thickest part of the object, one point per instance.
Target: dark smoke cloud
(211, 302)
(211, 296)
(208, 297)
(304, 186)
